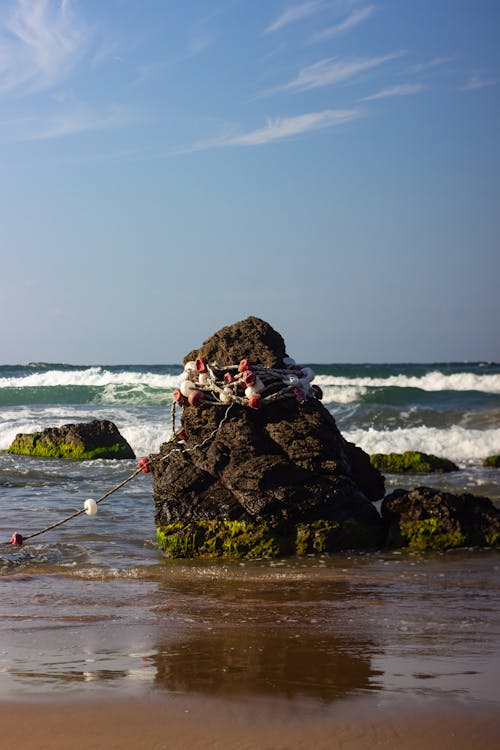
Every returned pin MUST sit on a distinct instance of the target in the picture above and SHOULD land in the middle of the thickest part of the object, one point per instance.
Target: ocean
(93, 608)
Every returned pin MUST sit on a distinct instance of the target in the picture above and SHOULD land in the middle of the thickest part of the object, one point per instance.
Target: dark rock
(276, 481)
(411, 462)
(233, 343)
(426, 518)
(492, 461)
(88, 440)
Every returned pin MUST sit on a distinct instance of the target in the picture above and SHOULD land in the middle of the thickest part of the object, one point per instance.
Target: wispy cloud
(352, 20)
(403, 89)
(434, 63)
(281, 128)
(334, 70)
(40, 43)
(202, 34)
(73, 120)
(478, 82)
(295, 13)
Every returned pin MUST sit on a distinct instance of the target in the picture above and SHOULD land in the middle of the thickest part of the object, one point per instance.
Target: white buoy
(203, 378)
(186, 375)
(186, 387)
(191, 365)
(90, 507)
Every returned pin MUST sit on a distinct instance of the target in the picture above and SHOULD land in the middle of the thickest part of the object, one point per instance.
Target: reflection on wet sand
(254, 662)
(318, 631)
(265, 638)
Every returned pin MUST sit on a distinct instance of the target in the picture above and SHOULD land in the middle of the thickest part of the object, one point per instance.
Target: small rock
(492, 461)
(88, 440)
(411, 462)
(426, 518)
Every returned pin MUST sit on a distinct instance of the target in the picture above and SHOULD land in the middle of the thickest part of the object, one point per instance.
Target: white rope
(244, 384)
(183, 449)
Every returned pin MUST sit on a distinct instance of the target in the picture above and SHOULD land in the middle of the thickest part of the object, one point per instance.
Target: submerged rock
(411, 462)
(88, 440)
(259, 483)
(426, 518)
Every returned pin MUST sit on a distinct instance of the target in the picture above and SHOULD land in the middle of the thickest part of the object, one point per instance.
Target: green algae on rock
(411, 462)
(492, 461)
(426, 518)
(82, 442)
(252, 540)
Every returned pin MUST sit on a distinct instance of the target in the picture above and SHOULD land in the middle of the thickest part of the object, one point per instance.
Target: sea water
(92, 606)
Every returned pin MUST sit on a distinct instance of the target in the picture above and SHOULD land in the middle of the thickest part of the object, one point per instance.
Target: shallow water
(92, 607)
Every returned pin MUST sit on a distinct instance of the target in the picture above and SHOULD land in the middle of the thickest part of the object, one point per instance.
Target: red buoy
(195, 398)
(181, 436)
(299, 395)
(255, 402)
(201, 364)
(144, 464)
(178, 397)
(249, 377)
(244, 365)
(228, 378)
(16, 539)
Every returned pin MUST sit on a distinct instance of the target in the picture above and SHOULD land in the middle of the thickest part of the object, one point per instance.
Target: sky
(169, 167)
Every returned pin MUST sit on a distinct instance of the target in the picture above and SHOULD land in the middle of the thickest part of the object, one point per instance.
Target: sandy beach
(187, 723)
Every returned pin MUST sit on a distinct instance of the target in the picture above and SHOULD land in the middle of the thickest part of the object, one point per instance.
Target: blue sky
(169, 167)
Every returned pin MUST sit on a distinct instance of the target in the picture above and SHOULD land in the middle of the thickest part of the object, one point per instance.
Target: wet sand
(186, 723)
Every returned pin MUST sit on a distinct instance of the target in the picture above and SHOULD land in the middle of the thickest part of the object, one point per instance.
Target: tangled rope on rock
(246, 383)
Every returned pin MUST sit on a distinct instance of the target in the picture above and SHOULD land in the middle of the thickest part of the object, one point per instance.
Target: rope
(80, 512)
(183, 449)
(245, 384)
(77, 512)
(125, 481)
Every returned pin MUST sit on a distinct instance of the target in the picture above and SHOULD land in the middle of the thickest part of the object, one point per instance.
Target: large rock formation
(265, 481)
(88, 440)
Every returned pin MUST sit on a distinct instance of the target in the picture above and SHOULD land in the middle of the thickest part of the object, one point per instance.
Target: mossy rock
(82, 442)
(411, 462)
(244, 539)
(429, 533)
(426, 518)
(492, 461)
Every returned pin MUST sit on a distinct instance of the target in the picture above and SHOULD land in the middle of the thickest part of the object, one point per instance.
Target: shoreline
(187, 722)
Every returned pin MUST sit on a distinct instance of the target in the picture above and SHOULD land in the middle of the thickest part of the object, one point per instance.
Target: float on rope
(246, 383)
(89, 506)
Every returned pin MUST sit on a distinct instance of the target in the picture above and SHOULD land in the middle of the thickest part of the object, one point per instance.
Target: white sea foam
(456, 443)
(90, 376)
(340, 394)
(431, 381)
